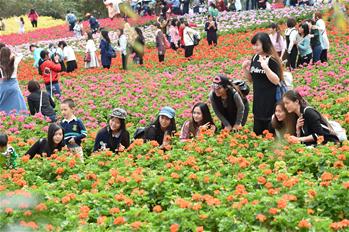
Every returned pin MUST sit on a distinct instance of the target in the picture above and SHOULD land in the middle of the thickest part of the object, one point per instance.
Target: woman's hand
(300, 123)
(264, 61)
(246, 65)
(236, 127)
(205, 126)
(121, 148)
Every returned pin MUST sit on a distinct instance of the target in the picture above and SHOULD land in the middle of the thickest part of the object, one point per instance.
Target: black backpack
(242, 85)
(139, 133)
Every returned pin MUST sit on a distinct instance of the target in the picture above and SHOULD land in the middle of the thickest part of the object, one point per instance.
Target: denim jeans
(55, 89)
(317, 53)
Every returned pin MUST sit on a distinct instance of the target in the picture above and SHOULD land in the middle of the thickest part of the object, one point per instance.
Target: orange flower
(338, 164)
(346, 185)
(197, 207)
(304, 224)
(326, 176)
(27, 213)
(8, 210)
(273, 211)
(119, 221)
(25, 158)
(41, 207)
(261, 180)
(49, 227)
(59, 170)
(310, 211)
(282, 203)
(175, 175)
(261, 217)
(114, 210)
(311, 193)
(157, 209)
(136, 225)
(101, 220)
(200, 229)
(174, 228)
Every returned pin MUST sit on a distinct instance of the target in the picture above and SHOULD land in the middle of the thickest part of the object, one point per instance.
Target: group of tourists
(274, 110)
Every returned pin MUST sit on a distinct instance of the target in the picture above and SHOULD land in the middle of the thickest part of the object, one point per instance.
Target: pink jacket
(33, 17)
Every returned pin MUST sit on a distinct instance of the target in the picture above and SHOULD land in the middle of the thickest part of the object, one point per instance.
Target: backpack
(242, 85)
(111, 51)
(139, 133)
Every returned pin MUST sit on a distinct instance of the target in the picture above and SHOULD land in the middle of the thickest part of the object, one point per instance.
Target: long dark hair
(278, 31)
(268, 48)
(305, 28)
(288, 126)
(105, 36)
(295, 96)
(206, 117)
(89, 36)
(53, 128)
(122, 131)
(171, 128)
(6, 63)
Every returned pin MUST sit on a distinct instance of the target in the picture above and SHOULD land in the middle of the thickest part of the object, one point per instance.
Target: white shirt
(293, 33)
(18, 59)
(325, 43)
(188, 36)
(90, 46)
(123, 44)
(69, 53)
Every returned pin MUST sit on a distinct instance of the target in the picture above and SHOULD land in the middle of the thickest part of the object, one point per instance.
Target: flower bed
(236, 182)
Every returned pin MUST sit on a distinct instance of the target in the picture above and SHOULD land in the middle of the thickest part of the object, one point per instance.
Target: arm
(206, 26)
(313, 120)
(125, 140)
(271, 68)
(98, 140)
(185, 134)
(83, 132)
(34, 149)
(246, 65)
(218, 113)
(240, 109)
(31, 106)
(54, 67)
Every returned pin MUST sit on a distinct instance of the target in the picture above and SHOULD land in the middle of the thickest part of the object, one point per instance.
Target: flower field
(12, 24)
(223, 182)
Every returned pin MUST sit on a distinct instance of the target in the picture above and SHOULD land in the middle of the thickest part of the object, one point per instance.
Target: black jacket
(47, 103)
(42, 146)
(106, 138)
(315, 125)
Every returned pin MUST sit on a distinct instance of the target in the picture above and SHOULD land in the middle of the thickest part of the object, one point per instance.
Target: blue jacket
(304, 46)
(106, 60)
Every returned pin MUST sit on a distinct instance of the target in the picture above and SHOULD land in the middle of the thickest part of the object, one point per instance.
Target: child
(78, 29)
(73, 127)
(49, 71)
(21, 25)
(8, 155)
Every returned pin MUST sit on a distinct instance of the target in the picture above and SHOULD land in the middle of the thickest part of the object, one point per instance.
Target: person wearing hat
(164, 124)
(94, 24)
(228, 103)
(115, 136)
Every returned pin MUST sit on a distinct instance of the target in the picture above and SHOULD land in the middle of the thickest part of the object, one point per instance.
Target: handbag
(281, 89)
(87, 57)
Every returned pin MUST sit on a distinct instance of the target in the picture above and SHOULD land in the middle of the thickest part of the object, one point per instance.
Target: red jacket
(50, 65)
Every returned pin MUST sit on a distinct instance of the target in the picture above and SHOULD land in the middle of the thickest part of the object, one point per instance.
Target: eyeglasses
(216, 86)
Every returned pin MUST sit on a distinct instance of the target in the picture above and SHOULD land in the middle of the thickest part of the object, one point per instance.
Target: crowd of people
(285, 114)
